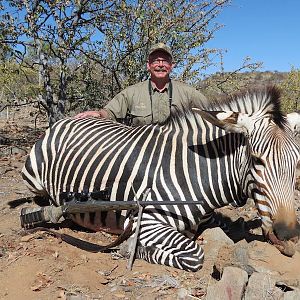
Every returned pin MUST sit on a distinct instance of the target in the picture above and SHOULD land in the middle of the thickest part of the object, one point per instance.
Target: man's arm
(102, 113)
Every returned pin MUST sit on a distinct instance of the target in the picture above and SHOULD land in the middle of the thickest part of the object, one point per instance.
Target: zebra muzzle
(285, 247)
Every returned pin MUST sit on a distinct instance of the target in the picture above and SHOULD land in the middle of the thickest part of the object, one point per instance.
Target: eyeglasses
(164, 62)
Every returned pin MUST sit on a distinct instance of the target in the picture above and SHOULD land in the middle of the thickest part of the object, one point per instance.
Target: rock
(258, 257)
(240, 256)
(165, 280)
(292, 295)
(216, 237)
(231, 286)
(119, 295)
(261, 286)
(289, 248)
(76, 297)
(182, 294)
(297, 246)
(264, 257)
(236, 255)
(288, 283)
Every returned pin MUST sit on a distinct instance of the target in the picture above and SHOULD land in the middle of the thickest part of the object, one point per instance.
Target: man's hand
(92, 113)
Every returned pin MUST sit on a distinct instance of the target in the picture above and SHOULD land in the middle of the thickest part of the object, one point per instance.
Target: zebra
(219, 153)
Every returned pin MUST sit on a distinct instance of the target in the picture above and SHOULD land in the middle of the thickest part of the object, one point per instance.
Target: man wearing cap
(150, 101)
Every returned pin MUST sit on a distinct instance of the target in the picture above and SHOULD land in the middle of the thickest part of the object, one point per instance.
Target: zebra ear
(228, 120)
(294, 120)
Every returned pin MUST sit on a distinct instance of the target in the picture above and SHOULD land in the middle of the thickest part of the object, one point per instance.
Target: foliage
(231, 82)
(185, 25)
(84, 52)
(291, 91)
(89, 88)
(18, 84)
(59, 31)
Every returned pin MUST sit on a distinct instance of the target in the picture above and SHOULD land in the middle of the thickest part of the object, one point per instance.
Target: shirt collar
(154, 88)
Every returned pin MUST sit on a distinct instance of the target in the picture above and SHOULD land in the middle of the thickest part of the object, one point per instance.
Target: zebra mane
(255, 100)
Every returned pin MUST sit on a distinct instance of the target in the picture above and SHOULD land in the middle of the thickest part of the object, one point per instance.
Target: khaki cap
(160, 47)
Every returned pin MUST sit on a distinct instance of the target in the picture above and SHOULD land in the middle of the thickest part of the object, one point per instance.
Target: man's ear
(148, 65)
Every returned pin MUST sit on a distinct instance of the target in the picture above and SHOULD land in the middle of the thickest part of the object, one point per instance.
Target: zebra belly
(110, 221)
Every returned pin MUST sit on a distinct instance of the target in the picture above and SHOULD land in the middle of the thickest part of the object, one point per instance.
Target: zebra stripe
(233, 149)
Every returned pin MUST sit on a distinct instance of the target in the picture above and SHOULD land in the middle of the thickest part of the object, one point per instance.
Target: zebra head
(271, 156)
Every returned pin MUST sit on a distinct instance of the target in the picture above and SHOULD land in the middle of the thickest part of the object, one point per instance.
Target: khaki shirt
(136, 100)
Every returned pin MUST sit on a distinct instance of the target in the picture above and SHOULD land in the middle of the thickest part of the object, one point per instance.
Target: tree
(84, 49)
(58, 31)
(230, 82)
(185, 25)
(291, 91)
(16, 83)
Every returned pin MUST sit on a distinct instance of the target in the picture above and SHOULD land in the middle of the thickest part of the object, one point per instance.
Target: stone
(288, 283)
(292, 295)
(216, 235)
(230, 287)
(261, 286)
(182, 294)
(216, 238)
(75, 297)
(259, 257)
(236, 255)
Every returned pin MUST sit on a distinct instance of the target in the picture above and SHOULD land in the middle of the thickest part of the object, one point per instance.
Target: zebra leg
(162, 244)
(211, 220)
(221, 221)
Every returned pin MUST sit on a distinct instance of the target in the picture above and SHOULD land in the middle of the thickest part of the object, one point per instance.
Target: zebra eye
(257, 159)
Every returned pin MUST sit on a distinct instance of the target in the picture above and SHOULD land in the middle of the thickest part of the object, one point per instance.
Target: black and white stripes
(236, 148)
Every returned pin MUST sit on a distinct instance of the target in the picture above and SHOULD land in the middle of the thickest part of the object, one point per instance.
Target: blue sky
(266, 30)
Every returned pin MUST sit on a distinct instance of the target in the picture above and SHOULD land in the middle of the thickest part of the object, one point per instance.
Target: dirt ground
(40, 266)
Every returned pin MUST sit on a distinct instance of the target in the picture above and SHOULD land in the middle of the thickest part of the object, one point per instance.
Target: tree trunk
(48, 93)
(62, 97)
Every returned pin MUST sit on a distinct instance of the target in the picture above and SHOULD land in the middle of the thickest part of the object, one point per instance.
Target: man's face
(159, 65)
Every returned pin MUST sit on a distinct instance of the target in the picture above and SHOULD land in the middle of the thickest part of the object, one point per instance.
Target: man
(150, 101)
